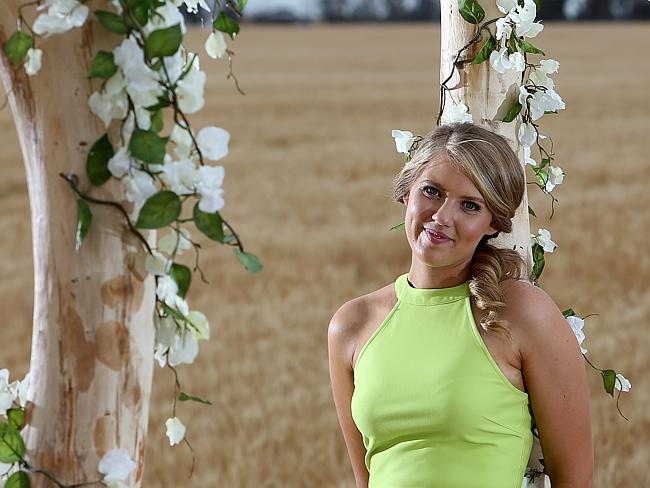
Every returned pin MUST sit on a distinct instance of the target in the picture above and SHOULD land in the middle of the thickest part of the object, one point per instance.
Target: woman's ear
(492, 232)
(405, 199)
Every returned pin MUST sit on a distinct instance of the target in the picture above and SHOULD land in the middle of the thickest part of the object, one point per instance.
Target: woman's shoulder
(354, 316)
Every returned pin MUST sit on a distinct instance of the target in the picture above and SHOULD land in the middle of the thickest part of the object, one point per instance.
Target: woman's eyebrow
(465, 197)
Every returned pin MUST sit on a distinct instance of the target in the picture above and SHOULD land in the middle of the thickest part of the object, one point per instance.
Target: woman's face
(446, 217)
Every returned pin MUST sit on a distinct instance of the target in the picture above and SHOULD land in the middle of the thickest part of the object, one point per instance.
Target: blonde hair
(492, 166)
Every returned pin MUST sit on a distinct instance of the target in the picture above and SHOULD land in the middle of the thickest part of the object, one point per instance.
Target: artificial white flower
(120, 163)
(192, 5)
(108, 107)
(505, 6)
(540, 75)
(213, 142)
(61, 16)
(139, 186)
(200, 322)
(544, 101)
(183, 140)
(523, 17)
(21, 390)
(175, 430)
(116, 465)
(577, 324)
(215, 45)
(555, 177)
(184, 349)
(142, 82)
(179, 176)
(517, 62)
(6, 395)
(527, 134)
(209, 180)
(622, 383)
(165, 331)
(157, 264)
(33, 61)
(500, 61)
(189, 91)
(167, 15)
(167, 289)
(458, 112)
(504, 28)
(527, 158)
(117, 6)
(544, 239)
(403, 140)
(181, 242)
(524, 95)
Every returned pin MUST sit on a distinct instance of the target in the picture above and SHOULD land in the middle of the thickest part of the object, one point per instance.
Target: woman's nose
(444, 214)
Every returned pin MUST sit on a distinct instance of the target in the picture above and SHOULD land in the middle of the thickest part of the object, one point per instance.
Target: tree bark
(92, 347)
(488, 95)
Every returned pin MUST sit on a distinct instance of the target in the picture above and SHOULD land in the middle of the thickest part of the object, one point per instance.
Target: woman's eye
(471, 206)
(430, 190)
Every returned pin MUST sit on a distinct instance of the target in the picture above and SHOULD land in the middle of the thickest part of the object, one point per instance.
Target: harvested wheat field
(308, 184)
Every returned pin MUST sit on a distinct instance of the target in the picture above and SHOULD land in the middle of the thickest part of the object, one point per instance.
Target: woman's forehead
(448, 176)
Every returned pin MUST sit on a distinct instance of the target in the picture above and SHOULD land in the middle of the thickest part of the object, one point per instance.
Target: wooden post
(485, 91)
(92, 347)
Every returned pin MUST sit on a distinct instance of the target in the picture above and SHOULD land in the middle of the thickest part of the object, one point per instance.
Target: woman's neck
(422, 276)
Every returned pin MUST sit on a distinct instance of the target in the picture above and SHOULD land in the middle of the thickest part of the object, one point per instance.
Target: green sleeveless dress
(432, 405)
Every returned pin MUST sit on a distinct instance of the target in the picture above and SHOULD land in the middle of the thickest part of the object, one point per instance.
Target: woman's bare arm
(555, 377)
(341, 335)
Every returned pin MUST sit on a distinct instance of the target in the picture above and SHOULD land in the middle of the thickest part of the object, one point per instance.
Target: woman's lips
(437, 237)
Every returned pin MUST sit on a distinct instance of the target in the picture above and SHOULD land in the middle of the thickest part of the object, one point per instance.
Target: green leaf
(538, 4)
(84, 219)
(163, 42)
(184, 397)
(16, 417)
(527, 47)
(538, 260)
(159, 210)
(148, 146)
(183, 277)
(531, 211)
(250, 261)
(513, 112)
(241, 4)
(19, 479)
(12, 447)
(545, 162)
(162, 103)
(568, 312)
(97, 161)
(609, 380)
(227, 24)
(486, 50)
(471, 11)
(111, 21)
(398, 227)
(542, 176)
(103, 66)
(17, 46)
(157, 122)
(209, 223)
(139, 10)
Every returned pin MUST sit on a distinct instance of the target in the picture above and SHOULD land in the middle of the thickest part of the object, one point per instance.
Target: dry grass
(308, 184)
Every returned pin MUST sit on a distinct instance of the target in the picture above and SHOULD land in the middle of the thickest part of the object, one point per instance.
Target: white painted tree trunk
(485, 92)
(92, 347)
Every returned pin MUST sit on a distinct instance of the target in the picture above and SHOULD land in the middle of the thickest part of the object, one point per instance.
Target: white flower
(517, 62)
(167, 15)
(544, 101)
(23, 387)
(61, 16)
(555, 177)
(504, 28)
(527, 134)
(143, 85)
(139, 186)
(6, 395)
(527, 158)
(165, 331)
(175, 430)
(622, 383)
(213, 142)
(173, 240)
(544, 239)
(505, 6)
(184, 349)
(200, 322)
(209, 180)
(190, 91)
(403, 140)
(108, 107)
(116, 465)
(157, 264)
(33, 61)
(120, 163)
(183, 140)
(215, 45)
(179, 176)
(458, 112)
(167, 289)
(524, 17)
(500, 61)
(577, 324)
(117, 6)
(540, 75)
(524, 95)
(192, 5)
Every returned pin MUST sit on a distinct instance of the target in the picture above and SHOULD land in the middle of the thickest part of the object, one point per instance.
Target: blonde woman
(435, 376)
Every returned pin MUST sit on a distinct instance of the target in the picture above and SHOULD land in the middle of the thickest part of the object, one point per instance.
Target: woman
(424, 396)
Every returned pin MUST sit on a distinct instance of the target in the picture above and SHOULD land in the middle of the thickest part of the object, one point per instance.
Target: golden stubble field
(308, 185)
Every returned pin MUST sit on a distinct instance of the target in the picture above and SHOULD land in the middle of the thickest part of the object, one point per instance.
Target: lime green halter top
(432, 405)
